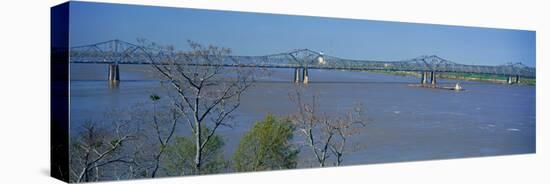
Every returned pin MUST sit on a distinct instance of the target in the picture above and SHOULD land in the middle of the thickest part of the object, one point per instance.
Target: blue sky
(261, 34)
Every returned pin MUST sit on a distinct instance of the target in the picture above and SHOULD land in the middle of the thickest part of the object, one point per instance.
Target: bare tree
(207, 92)
(144, 146)
(345, 126)
(163, 133)
(325, 134)
(97, 147)
(153, 125)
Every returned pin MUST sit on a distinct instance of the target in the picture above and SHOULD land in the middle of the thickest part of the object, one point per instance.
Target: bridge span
(115, 52)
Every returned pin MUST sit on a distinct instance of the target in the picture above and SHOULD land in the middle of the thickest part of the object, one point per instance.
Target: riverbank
(465, 77)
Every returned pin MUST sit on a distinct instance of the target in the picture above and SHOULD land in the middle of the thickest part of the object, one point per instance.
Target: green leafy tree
(180, 157)
(267, 146)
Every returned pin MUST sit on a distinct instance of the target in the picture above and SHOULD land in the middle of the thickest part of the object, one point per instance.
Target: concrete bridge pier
(305, 76)
(296, 75)
(433, 79)
(114, 76)
(424, 78)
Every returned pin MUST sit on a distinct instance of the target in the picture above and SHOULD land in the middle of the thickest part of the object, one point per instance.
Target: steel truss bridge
(115, 52)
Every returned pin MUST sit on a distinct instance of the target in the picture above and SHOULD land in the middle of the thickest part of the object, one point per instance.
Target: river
(404, 123)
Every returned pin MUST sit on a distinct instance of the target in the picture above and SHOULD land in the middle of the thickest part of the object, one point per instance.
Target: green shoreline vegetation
(500, 79)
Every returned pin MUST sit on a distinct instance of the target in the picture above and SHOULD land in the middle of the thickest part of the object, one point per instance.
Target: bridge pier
(424, 78)
(296, 75)
(433, 79)
(301, 75)
(513, 79)
(305, 76)
(114, 76)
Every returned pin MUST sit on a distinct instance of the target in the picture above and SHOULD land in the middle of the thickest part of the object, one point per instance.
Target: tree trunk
(198, 148)
(157, 164)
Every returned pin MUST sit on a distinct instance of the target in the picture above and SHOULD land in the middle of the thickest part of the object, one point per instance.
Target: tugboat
(457, 87)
